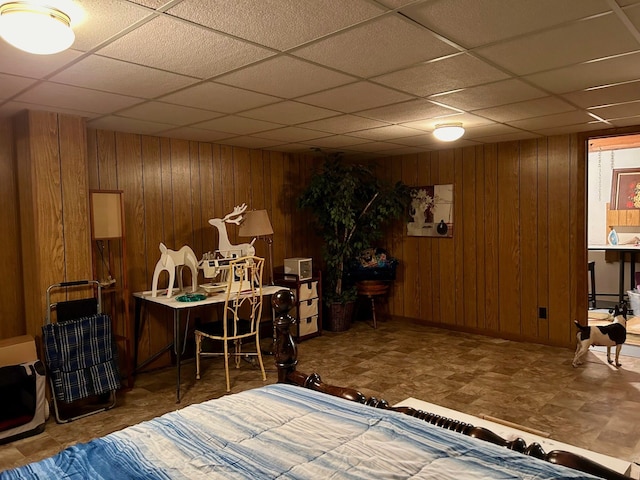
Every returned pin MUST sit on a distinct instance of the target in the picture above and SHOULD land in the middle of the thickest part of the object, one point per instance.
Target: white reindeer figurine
(172, 260)
(224, 245)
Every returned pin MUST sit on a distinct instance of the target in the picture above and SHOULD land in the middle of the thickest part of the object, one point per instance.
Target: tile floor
(595, 406)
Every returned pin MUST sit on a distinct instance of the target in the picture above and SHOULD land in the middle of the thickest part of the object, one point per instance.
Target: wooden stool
(592, 291)
(373, 289)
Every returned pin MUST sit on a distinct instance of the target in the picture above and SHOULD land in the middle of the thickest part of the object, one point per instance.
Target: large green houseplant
(350, 207)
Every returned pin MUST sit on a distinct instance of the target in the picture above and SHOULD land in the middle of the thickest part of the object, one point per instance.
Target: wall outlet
(542, 312)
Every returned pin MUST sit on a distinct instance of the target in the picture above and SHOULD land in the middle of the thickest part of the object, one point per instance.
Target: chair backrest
(243, 302)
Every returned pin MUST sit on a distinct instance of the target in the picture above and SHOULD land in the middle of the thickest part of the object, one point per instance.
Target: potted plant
(351, 207)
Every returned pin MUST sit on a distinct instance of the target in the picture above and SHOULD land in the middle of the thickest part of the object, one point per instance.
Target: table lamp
(256, 224)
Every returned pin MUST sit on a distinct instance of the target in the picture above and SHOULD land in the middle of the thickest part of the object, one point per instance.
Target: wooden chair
(241, 318)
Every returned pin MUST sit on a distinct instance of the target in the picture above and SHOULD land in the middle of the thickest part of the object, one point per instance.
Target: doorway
(613, 226)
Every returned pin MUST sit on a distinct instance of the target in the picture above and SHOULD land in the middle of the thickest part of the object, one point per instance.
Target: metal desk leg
(177, 349)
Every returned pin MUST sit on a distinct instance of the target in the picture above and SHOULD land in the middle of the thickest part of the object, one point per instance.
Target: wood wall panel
(479, 233)
(52, 201)
(529, 237)
(11, 293)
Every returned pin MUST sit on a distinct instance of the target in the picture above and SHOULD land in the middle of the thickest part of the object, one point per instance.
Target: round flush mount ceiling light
(448, 132)
(35, 27)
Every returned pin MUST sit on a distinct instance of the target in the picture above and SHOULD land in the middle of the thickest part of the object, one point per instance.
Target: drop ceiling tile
(386, 133)
(416, 141)
(289, 113)
(577, 117)
(109, 75)
(552, 49)
(410, 111)
(291, 134)
(196, 134)
(492, 95)
(275, 23)
(468, 120)
(633, 13)
(442, 75)
(220, 98)
(17, 62)
(177, 46)
(585, 75)
(285, 77)
(65, 96)
(336, 141)
(575, 128)
(377, 47)
(11, 84)
(374, 147)
(343, 124)
(168, 113)
(617, 111)
(472, 23)
(606, 95)
(89, 25)
(489, 130)
(531, 108)
(250, 142)
(129, 125)
(508, 137)
(354, 97)
(237, 125)
(625, 122)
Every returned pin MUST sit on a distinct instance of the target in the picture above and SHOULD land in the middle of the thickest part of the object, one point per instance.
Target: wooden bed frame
(286, 360)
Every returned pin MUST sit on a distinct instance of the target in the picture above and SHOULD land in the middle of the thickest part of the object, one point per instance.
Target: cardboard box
(17, 350)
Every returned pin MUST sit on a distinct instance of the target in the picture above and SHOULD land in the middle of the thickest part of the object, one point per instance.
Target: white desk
(622, 250)
(177, 307)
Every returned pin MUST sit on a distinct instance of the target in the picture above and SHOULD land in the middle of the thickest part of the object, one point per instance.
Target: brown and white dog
(612, 334)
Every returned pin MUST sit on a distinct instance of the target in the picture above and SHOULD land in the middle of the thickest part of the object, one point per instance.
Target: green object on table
(191, 297)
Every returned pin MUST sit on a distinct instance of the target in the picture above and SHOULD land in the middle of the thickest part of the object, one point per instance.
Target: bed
(317, 431)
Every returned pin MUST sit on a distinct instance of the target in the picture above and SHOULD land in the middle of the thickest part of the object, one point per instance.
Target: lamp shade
(35, 28)
(106, 213)
(255, 224)
(448, 132)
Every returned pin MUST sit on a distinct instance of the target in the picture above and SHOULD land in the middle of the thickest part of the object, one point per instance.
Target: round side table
(372, 290)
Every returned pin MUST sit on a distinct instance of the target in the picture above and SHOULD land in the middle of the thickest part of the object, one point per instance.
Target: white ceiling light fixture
(35, 27)
(448, 132)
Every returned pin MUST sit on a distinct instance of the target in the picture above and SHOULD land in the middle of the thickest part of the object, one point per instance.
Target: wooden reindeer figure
(172, 260)
(225, 247)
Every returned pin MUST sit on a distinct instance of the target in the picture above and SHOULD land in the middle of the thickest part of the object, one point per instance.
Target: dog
(613, 334)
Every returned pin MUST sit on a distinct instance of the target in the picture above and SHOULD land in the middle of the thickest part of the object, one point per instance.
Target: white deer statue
(171, 260)
(225, 247)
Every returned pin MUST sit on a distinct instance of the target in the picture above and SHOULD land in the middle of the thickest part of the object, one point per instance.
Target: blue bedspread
(282, 431)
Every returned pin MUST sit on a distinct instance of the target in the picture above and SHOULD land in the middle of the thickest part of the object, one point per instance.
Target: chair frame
(244, 290)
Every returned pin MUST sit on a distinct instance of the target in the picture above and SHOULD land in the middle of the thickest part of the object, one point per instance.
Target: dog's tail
(581, 327)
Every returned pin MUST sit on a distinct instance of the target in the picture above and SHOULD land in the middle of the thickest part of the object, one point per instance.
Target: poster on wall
(431, 211)
(625, 189)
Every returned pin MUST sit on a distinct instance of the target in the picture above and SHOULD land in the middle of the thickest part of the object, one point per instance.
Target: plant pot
(372, 288)
(339, 317)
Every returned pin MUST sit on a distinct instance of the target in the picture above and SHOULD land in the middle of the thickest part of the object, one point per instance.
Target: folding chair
(80, 354)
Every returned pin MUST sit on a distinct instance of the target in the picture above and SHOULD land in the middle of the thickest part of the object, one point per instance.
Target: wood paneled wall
(51, 168)
(519, 241)
(518, 244)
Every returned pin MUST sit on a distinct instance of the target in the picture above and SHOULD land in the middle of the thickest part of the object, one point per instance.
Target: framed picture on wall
(431, 211)
(625, 189)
